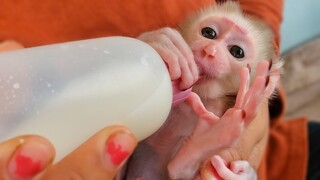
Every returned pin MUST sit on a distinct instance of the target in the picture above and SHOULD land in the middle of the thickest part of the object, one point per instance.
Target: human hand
(100, 157)
(9, 45)
(176, 54)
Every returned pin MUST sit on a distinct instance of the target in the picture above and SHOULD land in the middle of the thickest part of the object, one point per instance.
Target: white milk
(67, 92)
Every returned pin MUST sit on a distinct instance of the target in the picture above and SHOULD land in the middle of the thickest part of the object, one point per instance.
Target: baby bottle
(66, 92)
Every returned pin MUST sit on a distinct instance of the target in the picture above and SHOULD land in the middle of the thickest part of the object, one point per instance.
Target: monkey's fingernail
(267, 80)
(249, 68)
(270, 64)
(243, 114)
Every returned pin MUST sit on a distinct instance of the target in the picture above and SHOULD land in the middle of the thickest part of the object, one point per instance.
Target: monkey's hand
(237, 170)
(176, 54)
(212, 133)
(250, 98)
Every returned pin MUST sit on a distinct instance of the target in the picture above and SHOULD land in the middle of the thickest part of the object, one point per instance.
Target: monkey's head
(224, 39)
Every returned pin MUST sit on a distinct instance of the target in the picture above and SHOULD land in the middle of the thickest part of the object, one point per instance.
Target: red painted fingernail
(28, 160)
(119, 146)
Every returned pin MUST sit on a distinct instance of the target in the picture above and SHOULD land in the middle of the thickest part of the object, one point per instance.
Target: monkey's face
(221, 46)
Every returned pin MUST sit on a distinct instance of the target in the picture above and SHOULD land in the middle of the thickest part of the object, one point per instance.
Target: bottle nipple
(179, 95)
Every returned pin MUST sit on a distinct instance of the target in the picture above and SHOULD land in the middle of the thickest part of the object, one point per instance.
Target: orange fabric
(34, 23)
(270, 11)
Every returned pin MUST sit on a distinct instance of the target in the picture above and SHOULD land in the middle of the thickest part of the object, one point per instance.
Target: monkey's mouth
(204, 78)
(203, 74)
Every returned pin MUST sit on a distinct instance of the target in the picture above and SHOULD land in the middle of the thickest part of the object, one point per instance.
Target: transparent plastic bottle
(67, 92)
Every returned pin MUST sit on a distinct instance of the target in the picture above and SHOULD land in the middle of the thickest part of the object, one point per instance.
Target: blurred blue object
(300, 24)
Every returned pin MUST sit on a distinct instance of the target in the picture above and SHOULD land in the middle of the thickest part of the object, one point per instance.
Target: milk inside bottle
(67, 92)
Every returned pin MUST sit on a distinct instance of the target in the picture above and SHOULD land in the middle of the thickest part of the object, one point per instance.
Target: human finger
(100, 157)
(197, 106)
(24, 157)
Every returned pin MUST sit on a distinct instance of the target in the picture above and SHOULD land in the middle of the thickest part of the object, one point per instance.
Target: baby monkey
(216, 51)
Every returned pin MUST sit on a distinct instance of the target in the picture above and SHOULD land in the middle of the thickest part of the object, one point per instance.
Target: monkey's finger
(185, 51)
(263, 68)
(272, 83)
(179, 42)
(183, 47)
(195, 103)
(244, 86)
(233, 119)
(165, 48)
(175, 52)
(243, 169)
(255, 97)
(257, 87)
(262, 71)
(171, 59)
(197, 106)
(194, 70)
(208, 172)
(240, 166)
(221, 168)
(187, 78)
(178, 65)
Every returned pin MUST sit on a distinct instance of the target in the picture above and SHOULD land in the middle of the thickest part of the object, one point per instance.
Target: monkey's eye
(236, 52)
(209, 33)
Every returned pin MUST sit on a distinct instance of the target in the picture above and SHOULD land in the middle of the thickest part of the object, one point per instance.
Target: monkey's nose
(210, 50)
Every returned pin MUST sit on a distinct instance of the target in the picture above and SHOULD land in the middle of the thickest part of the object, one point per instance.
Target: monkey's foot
(218, 169)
